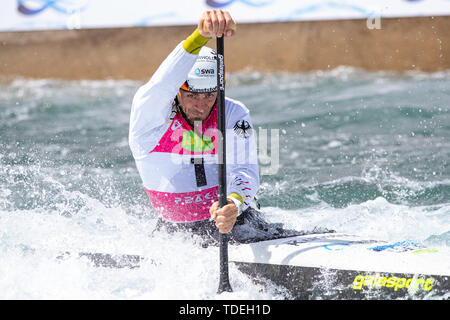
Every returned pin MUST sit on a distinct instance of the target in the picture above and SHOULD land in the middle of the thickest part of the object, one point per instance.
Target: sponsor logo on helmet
(211, 57)
(204, 72)
(196, 90)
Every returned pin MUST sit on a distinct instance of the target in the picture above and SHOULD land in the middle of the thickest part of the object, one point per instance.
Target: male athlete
(173, 138)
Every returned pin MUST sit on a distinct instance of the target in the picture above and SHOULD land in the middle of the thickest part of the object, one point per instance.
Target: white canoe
(341, 266)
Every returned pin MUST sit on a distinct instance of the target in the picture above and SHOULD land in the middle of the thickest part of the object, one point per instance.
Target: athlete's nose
(202, 104)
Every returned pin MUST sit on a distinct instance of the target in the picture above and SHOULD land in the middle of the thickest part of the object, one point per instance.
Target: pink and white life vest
(177, 164)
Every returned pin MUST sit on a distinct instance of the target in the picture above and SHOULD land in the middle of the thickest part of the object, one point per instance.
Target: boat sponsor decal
(400, 246)
(329, 241)
(377, 281)
(332, 246)
(426, 250)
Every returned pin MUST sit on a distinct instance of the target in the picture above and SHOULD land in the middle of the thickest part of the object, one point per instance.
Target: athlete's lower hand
(224, 217)
(216, 23)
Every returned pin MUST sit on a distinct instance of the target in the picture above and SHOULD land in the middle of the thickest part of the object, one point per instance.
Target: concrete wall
(135, 53)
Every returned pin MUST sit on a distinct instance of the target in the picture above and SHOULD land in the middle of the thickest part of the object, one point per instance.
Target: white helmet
(203, 75)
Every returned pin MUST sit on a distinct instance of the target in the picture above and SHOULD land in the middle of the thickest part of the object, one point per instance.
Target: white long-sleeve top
(178, 168)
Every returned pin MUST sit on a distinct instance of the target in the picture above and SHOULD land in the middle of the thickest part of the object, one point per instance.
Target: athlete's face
(196, 106)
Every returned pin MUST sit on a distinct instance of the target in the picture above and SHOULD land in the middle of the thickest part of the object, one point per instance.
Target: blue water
(358, 152)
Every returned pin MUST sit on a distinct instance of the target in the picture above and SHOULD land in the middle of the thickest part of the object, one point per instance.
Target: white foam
(376, 219)
(31, 242)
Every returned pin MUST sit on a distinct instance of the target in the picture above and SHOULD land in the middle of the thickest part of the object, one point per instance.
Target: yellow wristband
(236, 196)
(195, 42)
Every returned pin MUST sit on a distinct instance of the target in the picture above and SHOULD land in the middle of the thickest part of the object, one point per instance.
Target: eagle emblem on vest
(242, 129)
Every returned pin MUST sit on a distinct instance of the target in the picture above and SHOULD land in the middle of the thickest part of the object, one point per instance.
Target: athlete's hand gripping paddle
(224, 282)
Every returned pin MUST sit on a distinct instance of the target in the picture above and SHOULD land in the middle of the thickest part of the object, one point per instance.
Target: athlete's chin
(197, 118)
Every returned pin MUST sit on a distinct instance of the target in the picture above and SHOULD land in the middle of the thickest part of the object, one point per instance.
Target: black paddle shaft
(224, 282)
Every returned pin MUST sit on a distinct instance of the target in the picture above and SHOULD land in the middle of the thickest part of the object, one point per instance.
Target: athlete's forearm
(194, 42)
